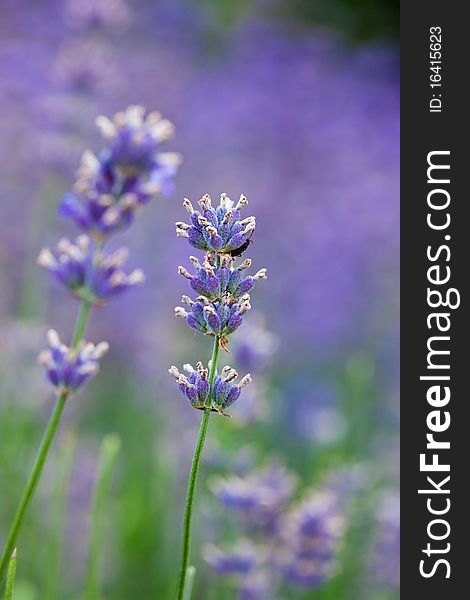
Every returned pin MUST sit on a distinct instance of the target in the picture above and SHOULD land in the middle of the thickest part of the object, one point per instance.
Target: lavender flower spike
(68, 369)
(195, 387)
(92, 276)
(217, 229)
(109, 190)
(218, 312)
(214, 282)
(129, 171)
(219, 318)
(244, 557)
(311, 534)
(134, 140)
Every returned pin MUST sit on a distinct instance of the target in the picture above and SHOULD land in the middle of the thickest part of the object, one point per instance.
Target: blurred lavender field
(302, 119)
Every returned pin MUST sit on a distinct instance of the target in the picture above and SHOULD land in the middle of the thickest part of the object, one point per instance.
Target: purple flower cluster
(255, 345)
(223, 288)
(108, 191)
(129, 172)
(311, 533)
(294, 543)
(109, 14)
(223, 294)
(217, 229)
(88, 272)
(242, 558)
(214, 282)
(69, 369)
(260, 497)
(84, 66)
(195, 386)
(220, 318)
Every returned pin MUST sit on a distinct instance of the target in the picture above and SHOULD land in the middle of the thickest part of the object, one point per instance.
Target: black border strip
(423, 132)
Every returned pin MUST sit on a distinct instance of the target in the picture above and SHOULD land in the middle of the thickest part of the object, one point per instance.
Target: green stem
(32, 481)
(188, 584)
(195, 465)
(109, 450)
(11, 576)
(43, 451)
(81, 323)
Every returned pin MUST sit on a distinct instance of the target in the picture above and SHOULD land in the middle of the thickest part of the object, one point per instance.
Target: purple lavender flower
(68, 369)
(195, 386)
(88, 273)
(311, 533)
(86, 66)
(220, 318)
(302, 541)
(217, 229)
(107, 14)
(218, 312)
(128, 173)
(242, 558)
(256, 586)
(260, 497)
(213, 282)
(255, 344)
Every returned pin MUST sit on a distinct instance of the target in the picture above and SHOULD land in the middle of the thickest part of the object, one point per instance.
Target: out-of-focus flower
(89, 273)
(348, 481)
(260, 496)
(254, 405)
(195, 386)
(310, 534)
(213, 282)
(254, 345)
(217, 229)
(302, 541)
(85, 66)
(256, 586)
(316, 414)
(69, 369)
(128, 173)
(242, 558)
(107, 14)
(134, 139)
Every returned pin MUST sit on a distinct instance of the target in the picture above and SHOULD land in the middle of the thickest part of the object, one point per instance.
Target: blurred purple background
(297, 116)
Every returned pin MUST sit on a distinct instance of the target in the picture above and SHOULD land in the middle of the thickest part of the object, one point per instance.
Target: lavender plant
(109, 191)
(286, 543)
(223, 298)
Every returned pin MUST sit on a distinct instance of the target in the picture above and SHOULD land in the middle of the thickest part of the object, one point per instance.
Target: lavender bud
(90, 276)
(212, 319)
(69, 369)
(214, 282)
(218, 229)
(130, 170)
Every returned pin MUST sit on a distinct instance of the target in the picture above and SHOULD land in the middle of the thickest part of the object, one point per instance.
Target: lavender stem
(195, 465)
(43, 451)
(80, 326)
